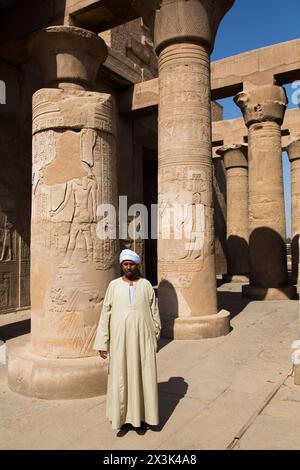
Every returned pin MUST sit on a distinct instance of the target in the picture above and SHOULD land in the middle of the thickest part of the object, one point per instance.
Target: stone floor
(234, 392)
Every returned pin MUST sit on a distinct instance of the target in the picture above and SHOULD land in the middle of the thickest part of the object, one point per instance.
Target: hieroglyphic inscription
(5, 290)
(73, 172)
(185, 215)
(71, 207)
(67, 294)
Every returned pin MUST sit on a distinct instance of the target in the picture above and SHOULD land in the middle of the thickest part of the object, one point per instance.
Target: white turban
(129, 255)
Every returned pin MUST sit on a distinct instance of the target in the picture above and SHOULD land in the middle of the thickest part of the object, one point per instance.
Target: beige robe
(129, 332)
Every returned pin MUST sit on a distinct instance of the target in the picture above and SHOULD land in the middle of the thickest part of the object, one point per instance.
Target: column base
(209, 326)
(238, 278)
(269, 293)
(36, 376)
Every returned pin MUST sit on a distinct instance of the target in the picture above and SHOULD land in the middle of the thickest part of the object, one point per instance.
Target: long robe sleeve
(102, 338)
(155, 314)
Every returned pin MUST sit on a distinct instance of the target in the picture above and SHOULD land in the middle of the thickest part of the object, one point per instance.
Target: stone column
(263, 109)
(73, 173)
(184, 37)
(293, 150)
(236, 163)
(296, 343)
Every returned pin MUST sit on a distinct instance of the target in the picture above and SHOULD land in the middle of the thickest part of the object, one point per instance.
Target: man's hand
(103, 354)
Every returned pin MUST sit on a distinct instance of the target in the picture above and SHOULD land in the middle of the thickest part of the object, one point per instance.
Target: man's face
(130, 269)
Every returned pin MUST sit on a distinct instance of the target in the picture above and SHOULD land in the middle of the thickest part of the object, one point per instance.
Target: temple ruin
(114, 103)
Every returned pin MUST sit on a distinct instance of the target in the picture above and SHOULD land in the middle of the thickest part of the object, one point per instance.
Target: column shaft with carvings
(236, 164)
(73, 173)
(263, 109)
(186, 268)
(294, 156)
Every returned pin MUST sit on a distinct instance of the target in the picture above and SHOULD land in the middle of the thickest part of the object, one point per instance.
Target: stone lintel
(234, 130)
(278, 63)
(100, 15)
(232, 75)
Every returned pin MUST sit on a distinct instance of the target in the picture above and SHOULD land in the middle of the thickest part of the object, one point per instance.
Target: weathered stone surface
(192, 20)
(251, 69)
(263, 109)
(73, 173)
(43, 377)
(186, 266)
(69, 57)
(293, 150)
(15, 187)
(236, 163)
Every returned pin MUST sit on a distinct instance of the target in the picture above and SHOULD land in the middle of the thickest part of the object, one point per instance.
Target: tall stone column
(73, 172)
(293, 150)
(236, 163)
(184, 37)
(263, 109)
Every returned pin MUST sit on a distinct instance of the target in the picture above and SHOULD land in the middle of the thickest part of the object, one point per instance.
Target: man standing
(128, 331)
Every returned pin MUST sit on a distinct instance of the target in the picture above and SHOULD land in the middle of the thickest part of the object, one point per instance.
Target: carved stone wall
(15, 187)
(133, 40)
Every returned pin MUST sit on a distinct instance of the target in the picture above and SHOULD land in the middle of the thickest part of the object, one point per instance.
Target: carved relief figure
(83, 193)
(196, 240)
(6, 250)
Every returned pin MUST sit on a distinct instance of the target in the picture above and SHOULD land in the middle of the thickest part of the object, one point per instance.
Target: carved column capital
(265, 103)
(188, 21)
(293, 148)
(234, 156)
(69, 57)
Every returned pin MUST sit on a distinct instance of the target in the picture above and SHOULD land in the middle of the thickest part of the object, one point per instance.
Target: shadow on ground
(169, 395)
(162, 343)
(233, 302)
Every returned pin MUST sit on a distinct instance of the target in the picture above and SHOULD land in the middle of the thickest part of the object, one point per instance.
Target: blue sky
(250, 25)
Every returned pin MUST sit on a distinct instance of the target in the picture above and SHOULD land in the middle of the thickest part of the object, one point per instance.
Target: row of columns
(255, 199)
(74, 171)
(293, 150)
(235, 159)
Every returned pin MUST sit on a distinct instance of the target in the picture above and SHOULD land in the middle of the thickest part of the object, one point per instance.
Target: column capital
(69, 57)
(188, 21)
(261, 104)
(293, 148)
(234, 156)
